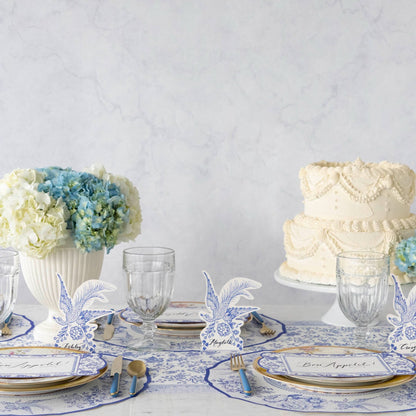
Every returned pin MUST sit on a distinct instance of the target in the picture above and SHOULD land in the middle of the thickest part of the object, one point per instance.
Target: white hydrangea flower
(30, 221)
(132, 229)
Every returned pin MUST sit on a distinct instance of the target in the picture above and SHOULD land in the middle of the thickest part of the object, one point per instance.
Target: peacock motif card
(223, 317)
(403, 338)
(76, 330)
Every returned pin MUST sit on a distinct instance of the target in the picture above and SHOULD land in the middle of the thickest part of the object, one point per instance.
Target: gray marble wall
(210, 108)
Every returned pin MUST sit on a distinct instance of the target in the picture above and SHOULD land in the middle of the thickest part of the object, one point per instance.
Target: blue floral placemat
(285, 397)
(89, 396)
(19, 326)
(125, 332)
(186, 368)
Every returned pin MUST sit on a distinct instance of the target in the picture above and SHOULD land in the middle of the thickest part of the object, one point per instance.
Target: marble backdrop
(210, 108)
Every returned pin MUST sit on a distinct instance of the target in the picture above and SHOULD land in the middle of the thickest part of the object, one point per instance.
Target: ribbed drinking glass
(9, 277)
(362, 288)
(150, 273)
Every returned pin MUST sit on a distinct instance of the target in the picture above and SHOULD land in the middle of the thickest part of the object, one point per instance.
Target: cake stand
(334, 315)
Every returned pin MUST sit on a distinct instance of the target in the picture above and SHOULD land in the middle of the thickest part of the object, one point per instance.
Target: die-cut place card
(50, 365)
(403, 338)
(330, 365)
(222, 315)
(76, 330)
(182, 313)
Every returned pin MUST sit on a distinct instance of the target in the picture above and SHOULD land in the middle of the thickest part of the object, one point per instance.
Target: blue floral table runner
(186, 368)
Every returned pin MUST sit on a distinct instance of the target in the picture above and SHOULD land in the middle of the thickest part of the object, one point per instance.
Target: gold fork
(237, 364)
(264, 330)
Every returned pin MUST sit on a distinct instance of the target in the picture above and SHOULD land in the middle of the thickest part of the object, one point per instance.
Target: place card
(330, 365)
(181, 313)
(403, 338)
(222, 315)
(50, 365)
(76, 330)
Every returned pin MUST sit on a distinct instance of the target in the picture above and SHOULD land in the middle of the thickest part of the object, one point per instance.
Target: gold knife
(109, 327)
(116, 368)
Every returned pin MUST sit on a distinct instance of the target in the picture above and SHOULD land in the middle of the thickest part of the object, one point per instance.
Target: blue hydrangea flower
(97, 208)
(405, 257)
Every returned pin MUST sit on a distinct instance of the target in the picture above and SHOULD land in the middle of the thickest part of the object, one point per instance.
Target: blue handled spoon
(6, 330)
(135, 369)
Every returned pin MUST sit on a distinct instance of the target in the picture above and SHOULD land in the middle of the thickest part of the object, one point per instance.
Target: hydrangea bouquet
(406, 256)
(41, 209)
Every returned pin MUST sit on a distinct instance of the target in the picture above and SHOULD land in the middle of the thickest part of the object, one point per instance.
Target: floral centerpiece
(41, 209)
(62, 221)
(405, 256)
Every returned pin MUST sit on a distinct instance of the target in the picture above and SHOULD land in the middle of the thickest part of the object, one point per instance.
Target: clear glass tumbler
(150, 273)
(9, 278)
(362, 288)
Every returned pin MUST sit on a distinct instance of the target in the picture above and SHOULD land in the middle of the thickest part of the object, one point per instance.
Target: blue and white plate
(20, 326)
(392, 382)
(27, 384)
(394, 369)
(178, 316)
(178, 319)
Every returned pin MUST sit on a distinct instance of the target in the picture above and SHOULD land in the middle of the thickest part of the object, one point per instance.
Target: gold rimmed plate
(393, 382)
(178, 316)
(331, 384)
(190, 327)
(181, 318)
(35, 381)
(33, 385)
(75, 382)
(182, 314)
(340, 381)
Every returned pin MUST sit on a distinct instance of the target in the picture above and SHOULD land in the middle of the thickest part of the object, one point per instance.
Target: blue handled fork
(264, 330)
(237, 364)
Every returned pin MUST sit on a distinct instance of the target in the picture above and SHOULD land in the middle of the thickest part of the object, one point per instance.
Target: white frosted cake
(348, 207)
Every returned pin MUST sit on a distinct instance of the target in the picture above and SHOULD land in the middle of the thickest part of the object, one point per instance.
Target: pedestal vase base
(47, 330)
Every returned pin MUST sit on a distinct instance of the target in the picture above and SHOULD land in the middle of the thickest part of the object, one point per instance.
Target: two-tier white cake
(347, 207)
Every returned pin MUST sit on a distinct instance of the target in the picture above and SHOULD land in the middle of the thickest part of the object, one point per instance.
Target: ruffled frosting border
(353, 226)
(384, 175)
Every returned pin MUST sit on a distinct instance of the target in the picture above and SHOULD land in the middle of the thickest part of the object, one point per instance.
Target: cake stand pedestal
(334, 315)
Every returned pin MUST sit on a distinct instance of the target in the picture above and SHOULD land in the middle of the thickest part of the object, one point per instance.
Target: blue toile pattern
(127, 329)
(187, 371)
(70, 401)
(403, 337)
(224, 319)
(76, 329)
(20, 326)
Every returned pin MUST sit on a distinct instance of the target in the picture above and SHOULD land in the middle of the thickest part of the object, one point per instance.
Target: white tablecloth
(193, 397)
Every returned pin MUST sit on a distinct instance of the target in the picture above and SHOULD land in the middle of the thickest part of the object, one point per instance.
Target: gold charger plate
(78, 381)
(33, 382)
(331, 384)
(393, 382)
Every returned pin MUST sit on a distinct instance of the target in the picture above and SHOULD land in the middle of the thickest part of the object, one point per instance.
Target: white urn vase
(73, 265)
